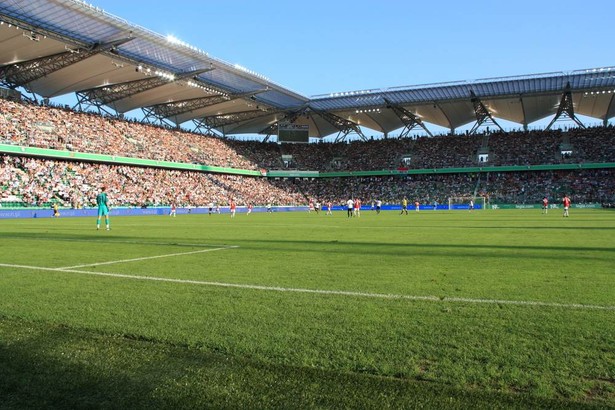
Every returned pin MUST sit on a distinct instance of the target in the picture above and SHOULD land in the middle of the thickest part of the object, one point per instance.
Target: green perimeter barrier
(114, 159)
(20, 206)
(538, 206)
(432, 171)
(509, 168)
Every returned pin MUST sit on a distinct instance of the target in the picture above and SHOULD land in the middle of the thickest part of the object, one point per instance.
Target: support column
(409, 119)
(483, 116)
(566, 107)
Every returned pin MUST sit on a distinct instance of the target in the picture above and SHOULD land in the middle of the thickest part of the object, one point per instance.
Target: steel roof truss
(115, 92)
(219, 121)
(201, 127)
(290, 117)
(566, 108)
(605, 120)
(151, 117)
(409, 119)
(344, 126)
(483, 116)
(22, 73)
(85, 104)
(176, 108)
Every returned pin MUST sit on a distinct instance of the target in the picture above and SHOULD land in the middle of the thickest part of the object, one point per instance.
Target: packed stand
(592, 144)
(584, 186)
(63, 129)
(37, 182)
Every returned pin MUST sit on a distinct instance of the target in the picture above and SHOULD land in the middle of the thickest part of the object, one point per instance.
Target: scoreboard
(294, 133)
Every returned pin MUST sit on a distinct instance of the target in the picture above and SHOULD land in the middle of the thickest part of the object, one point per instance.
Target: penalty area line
(327, 292)
(168, 255)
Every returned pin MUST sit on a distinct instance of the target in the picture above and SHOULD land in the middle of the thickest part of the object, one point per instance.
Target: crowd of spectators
(38, 181)
(60, 128)
(64, 129)
(528, 187)
(592, 144)
(374, 154)
(525, 148)
(75, 184)
(444, 151)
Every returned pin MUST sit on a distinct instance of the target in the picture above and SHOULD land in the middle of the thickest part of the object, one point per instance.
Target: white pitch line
(328, 292)
(168, 255)
(195, 245)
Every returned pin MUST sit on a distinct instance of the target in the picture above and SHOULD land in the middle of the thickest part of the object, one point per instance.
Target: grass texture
(484, 309)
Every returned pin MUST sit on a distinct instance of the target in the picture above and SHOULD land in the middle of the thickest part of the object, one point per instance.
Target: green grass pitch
(484, 309)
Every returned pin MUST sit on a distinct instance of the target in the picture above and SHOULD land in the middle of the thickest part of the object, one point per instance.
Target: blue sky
(317, 47)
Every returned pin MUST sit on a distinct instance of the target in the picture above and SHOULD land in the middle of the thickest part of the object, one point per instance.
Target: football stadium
(236, 244)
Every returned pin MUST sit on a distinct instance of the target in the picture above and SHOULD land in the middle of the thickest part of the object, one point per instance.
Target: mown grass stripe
(531, 303)
(168, 255)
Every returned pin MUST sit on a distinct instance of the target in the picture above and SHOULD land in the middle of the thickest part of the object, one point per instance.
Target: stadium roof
(57, 47)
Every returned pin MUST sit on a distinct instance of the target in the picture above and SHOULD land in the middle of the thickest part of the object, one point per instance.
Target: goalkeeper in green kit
(103, 208)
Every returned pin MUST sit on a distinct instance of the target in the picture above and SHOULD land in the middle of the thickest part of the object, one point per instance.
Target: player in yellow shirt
(404, 206)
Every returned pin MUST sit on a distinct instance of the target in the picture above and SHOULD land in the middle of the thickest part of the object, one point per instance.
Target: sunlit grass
(332, 305)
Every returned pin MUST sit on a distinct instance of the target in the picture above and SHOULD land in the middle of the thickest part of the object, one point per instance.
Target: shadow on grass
(521, 228)
(417, 249)
(50, 366)
(305, 244)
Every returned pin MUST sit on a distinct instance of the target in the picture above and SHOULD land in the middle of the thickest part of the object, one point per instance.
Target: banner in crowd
(539, 206)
